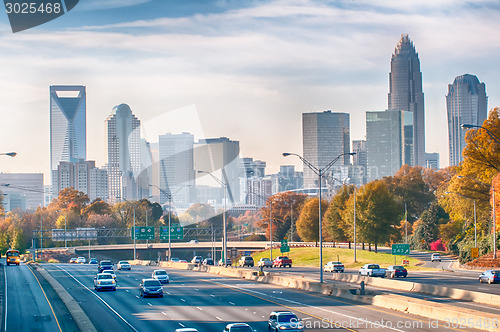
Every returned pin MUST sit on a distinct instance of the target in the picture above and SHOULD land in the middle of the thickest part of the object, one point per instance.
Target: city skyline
(311, 57)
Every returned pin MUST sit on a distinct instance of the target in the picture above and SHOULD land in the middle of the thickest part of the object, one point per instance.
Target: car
(110, 272)
(490, 276)
(229, 262)
(238, 327)
(436, 257)
(182, 261)
(395, 271)
(194, 242)
(197, 260)
(284, 321)
(81, 260)
(372, 270)
(93, 261)
(123, 265)
(208, 261)
(104, 281)
(73, 260)
(175, 260)
(161, 275)
(246, 261)
(334, 266)
(150, 287)
(265, 262)
(104, 265)
(282, 261)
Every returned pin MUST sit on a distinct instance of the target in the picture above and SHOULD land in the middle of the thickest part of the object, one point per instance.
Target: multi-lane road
(199, 300)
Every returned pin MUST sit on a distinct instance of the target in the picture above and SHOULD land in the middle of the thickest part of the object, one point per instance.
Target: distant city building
(389, 142)
(209, 194)
(68, 127)
(24, 190)
(176, 166)
(432, 160)
(123, 142)
(47, 195)
(359, 161)
(220, 157)
(325, 136)
(82, 176)
(287, 179)
(251, 168)
(405, 93)
(257, 190)
(466, 103)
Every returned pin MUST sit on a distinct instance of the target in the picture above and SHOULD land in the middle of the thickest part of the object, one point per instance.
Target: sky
(245, 70)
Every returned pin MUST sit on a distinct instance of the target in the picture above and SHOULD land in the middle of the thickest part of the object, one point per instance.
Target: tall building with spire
(405, 93)
(68, 124)
(466, 102)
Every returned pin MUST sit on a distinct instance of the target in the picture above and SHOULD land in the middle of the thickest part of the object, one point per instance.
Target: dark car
(490, 276)
(395, 271)
(93, 261)
(150, 287)
(246, 261)
(208, 261)
(104, 265)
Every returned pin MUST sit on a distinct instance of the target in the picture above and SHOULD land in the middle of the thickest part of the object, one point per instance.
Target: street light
(475, 221)
(319, 172)
(494, 207)
(493, 136)
(224, 235)
(10, 154)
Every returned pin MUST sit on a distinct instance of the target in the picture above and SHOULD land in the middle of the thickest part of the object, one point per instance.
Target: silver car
(161, 275)
(285, 321)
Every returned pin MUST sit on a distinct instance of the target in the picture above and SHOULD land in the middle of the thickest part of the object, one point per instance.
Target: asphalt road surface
(209, 302)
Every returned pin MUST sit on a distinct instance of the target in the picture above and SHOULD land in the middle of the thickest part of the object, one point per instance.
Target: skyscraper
(466, 102)
(124, 153)
(177, 168)
(389, 140)
(405, 92)
(68, 128)
(325, 136)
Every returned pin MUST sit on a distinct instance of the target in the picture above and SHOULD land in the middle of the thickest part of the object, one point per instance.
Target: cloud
(90, 5)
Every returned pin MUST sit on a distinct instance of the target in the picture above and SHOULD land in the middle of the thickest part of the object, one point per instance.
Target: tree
(284, 204)
(426, 229)
(196, 213)
(308, 222)
(338, 228)
(378, 212)
(98, 206)
(70, 199)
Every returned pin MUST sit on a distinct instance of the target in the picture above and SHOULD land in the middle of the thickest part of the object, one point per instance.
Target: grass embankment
(309, 256)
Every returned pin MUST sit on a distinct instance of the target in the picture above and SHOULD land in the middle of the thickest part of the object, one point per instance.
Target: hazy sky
(243, 69)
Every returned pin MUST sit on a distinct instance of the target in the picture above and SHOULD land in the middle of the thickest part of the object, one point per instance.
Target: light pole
(475, 221)
(355, 224)
(320, 173)
(224, 236)
(41, 238)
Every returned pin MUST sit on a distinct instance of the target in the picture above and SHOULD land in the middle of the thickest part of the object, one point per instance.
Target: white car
(109, 272)
(161, 276)
(123, 265)
(81, 260)
(436, 257)
(333, 267)
(265, 262)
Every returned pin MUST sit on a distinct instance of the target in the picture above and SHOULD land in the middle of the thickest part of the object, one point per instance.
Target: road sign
(284, 245)
(248, 253)
(143, 233)
(176, 233)
(401, 249)
(474, 252)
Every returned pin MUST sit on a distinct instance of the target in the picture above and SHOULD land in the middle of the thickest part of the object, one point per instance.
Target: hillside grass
(309, 257)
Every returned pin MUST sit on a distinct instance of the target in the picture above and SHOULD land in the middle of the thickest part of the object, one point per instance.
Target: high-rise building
(432, 160)
(325, 136)
(466, 103)
(359, 161)
(68, 128)
(220, 157)
(405, 93)
(389, 142)
(124, 154)
(251, 167)
(176, 168)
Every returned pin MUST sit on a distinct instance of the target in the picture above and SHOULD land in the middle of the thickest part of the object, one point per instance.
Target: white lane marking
(127, 291)
(182, 325)
(196, 289)
(163, 312)
(137, 296)
(212, 295)
(168, 293)
(308, 305)
(100, 298)
(218, 318)
(150, 304)
(231, 303)
(199, 308)
(183, 300)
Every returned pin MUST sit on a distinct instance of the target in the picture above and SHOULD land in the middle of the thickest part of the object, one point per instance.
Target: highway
(209, 302)
(26, 307)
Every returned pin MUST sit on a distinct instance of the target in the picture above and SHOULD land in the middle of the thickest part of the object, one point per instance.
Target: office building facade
(466, 103)
(405, 93)
(325, 136)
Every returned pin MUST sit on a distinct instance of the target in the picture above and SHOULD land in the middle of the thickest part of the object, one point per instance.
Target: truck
(372, 270)
(282, 261)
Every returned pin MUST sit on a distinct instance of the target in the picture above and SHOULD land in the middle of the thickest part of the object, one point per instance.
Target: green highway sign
(176, 233)
(401, 249)
(143, 233)
(284, 246)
